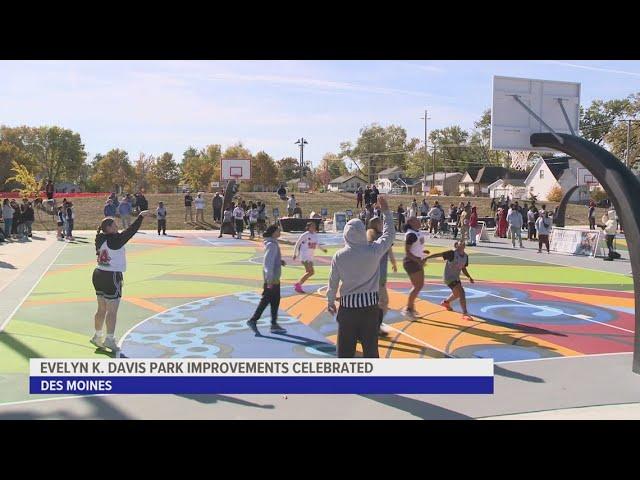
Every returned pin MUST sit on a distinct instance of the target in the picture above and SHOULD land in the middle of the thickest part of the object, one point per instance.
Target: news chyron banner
(252, 376)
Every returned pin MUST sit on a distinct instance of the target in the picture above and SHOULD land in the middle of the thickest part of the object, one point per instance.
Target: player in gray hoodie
(271, 270)
(357, 268)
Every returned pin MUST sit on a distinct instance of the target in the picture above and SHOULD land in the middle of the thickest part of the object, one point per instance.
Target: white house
(387, 179)
(347, 183)
(509, 187)
(559, 171)
(475, 181)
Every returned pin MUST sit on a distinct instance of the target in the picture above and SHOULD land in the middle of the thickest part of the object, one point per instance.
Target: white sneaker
(408, 313)
(110, 343)
(97, 340)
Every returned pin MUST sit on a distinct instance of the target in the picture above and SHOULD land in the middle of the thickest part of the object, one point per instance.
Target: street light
(425, 118)
(302, 142)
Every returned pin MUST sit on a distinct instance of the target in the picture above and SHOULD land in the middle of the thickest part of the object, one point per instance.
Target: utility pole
(628, 120)
(425, 118)
(433, 178)
(302, 142)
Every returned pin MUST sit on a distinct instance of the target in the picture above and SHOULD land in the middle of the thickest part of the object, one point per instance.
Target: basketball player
(414, 262)
(305, 246)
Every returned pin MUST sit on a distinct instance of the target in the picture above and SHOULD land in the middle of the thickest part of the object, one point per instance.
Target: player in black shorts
(107, 276)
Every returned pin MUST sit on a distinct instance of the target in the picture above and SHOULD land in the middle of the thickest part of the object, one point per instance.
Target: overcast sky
(158, 106)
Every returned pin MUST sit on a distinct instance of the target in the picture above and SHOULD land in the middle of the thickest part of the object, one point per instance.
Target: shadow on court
(209, 399)
(99, 409)
(7, 265)
(418, 408)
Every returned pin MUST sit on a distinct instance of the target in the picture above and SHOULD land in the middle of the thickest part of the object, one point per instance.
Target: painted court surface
(190, 294)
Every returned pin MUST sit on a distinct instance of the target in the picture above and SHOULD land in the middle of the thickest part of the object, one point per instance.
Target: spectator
(227, 221)
(28, 219)
(610, 228)
(70, 217)
(17, 219)
(252, 214)
(60, 222)
(109, 209)
(463, 222)
(124, 210)
(291, 205)
(297, 212)
(282, 192)
(141, 202)
(161, 215)
(199, 203)
(592, 215)
(543, 227)
(424, 213)
(531, 222)
(374, 195)
(473, 227)
(434, 218)
(400, 213)
(262, 217)
(188, 200)
(7, 216)
(453, 218)
(359, 197)
(515, 225)
(238, 216)
(367, 195)
(112, 196)
(217, 207)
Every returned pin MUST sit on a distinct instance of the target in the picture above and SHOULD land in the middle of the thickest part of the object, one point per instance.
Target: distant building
(387, 178)
(347, 183)
(475, 181)
(445, 182)
(561, 171)
(511, 186)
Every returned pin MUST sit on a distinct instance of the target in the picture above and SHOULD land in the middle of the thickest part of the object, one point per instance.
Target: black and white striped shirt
(359, 300)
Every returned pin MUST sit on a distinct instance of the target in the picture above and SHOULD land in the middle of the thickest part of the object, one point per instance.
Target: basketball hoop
(519, 159)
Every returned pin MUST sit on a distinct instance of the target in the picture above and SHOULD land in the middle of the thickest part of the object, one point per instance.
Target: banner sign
(249, 376)
(574, 241)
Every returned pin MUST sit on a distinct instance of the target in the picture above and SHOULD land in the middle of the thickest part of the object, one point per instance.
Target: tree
(288, 169)
(555, 194)
(599, 119)
(165, 173)
(53, 152)
(113, 171)
(22, 176)
(616, 137)
(142, 171)
(378, 148)
(263, 171)
(198, 168)
(493, 157)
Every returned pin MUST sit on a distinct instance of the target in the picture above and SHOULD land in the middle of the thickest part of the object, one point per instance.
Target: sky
(168, 106)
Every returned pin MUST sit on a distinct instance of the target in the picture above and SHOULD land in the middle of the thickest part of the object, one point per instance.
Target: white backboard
(512, 125)
(584, 178)
(235, 169)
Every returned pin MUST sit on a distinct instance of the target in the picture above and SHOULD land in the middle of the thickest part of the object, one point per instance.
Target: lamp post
(302, 142)
(425, 118)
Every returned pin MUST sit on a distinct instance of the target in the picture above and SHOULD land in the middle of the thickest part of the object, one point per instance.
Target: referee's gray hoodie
(357, 265)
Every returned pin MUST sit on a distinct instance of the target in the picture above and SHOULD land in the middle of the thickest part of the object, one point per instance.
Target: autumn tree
(114, 171)
(264, 171)
(165, 173)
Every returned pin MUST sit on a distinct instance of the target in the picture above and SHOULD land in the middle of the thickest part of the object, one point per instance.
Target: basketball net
(519, 159)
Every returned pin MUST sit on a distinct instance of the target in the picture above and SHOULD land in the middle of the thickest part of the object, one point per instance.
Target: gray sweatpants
(358, 324)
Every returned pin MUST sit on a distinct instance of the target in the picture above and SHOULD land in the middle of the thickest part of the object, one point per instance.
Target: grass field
(89, 211)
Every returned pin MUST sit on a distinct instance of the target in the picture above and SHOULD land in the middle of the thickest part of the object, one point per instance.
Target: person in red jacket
(473, 227)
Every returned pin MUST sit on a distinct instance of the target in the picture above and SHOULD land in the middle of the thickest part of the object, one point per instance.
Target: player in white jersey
(413, 263)
(107, 276)
(306, 246)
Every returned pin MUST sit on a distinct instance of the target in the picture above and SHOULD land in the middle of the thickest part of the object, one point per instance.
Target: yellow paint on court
(438, 330)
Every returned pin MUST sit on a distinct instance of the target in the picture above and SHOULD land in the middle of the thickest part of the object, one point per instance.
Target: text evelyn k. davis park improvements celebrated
(317, 376)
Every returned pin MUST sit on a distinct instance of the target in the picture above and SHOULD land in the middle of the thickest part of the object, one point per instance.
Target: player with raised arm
(108, 276)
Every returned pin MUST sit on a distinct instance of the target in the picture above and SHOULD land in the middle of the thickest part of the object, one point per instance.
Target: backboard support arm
(566, 117)
(534, 115)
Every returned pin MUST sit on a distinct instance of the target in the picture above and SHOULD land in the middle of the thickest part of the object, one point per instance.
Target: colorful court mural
(190, 294)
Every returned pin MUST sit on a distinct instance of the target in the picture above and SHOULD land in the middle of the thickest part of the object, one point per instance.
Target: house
(445, 182)
(347, 183)
(405, 185)
(475, 181)
(561, 171)
(511, 186)
(387, 178)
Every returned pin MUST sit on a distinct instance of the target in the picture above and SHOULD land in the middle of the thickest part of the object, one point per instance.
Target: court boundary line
(564, 357)
(10, 317)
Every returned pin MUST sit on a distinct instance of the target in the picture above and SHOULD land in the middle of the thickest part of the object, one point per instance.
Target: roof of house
(490, 174)
(557, 165)
(472, 171)
(440, 176)
(390, 170)
(346, 178)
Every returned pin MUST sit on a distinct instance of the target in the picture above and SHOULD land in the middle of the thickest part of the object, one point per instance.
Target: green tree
(378, 148)
(53, 152)
(616, 137)
(483, 139)
(114, 171)
(198, 169)
(288, 169)
(263, 171)
(165, 174)
(142, 171)
(599, 119)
